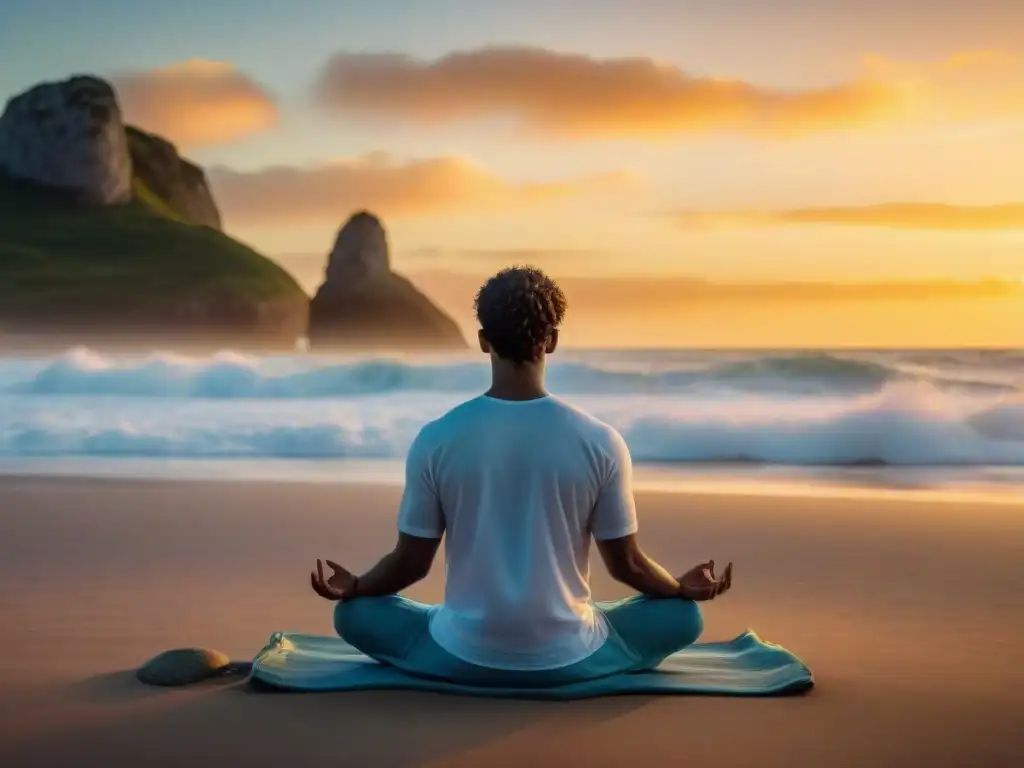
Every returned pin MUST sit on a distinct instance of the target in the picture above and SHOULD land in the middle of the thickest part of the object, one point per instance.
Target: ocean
(883, 419)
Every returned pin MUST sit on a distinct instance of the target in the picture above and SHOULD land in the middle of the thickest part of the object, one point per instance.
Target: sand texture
(911, 615)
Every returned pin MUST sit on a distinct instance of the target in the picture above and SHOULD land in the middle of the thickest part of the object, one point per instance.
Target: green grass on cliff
(153, 202)
(136, 261)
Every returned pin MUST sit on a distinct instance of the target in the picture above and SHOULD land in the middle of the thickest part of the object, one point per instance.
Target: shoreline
(923, 484)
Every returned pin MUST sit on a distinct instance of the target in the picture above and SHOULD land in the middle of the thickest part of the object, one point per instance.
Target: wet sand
(911, 614)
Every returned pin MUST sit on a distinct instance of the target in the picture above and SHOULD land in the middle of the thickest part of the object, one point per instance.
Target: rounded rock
(69, 135)
(182, 666)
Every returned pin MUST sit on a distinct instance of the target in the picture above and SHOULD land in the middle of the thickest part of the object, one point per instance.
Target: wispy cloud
(550, 93)
(661, 311)
(916, 216)
(308, 268)
(484, 257)
(677, 291)
(389, 186)
(196, 102)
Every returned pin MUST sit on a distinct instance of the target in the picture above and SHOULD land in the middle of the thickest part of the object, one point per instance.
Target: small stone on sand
(182, 666)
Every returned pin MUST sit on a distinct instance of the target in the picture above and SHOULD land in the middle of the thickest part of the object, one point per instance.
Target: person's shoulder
(441, 429)
(590, 427)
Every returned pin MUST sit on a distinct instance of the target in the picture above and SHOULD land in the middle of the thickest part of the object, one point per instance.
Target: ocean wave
(904, 424)
(234, 376)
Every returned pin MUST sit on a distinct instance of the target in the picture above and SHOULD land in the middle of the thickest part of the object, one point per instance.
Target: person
(518, 481)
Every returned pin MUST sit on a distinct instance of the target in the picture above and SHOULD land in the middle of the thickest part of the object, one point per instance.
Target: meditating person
(518, 482)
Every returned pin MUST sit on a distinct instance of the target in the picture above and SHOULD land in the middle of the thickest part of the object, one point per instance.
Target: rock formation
(360, 256)
(182, 185)
(183, 666)
(362, 304)
(131, 268)
(68, 135)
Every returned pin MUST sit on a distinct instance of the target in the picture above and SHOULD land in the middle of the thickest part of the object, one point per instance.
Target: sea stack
(363, 304)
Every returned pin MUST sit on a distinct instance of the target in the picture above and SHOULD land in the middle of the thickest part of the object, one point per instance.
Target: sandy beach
(909, 612)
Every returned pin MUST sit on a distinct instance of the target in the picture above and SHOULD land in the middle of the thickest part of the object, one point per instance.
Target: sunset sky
(727, 172)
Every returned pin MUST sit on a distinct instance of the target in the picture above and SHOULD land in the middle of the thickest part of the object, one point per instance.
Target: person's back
(519, 482)
(522, 484)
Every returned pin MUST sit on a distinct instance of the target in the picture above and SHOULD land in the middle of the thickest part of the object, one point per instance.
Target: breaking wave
(809, 410)
(230, 375)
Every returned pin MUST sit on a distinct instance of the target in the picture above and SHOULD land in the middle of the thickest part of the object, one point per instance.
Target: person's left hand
(339, 586)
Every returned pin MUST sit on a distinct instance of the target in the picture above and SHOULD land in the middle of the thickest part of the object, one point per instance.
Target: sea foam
(812, 410)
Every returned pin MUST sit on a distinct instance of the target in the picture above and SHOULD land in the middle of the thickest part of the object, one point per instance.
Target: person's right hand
(700, 583)
(339, 586)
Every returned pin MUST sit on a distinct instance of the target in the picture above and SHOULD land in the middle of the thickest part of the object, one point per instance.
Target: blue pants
(395, 630)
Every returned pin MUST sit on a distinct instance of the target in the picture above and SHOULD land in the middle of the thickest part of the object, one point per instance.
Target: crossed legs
(395, 630)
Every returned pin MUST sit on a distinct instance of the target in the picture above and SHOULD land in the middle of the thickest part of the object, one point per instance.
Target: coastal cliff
(108, 237)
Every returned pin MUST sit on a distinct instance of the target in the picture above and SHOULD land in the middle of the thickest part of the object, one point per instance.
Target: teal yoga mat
(744, 666)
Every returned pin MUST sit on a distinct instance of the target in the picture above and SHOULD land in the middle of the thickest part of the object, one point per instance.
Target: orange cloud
(675, 292)
(390, 187)
(196, 102)
(576, 96)
(965, 87)
(308, 268)
(671, 311)
(579, 96)
(920, 216)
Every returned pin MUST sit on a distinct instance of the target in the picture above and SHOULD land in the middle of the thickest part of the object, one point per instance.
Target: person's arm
(420, 528)
(406, 564)
(614, 527)
(627, 563)
(613, 524)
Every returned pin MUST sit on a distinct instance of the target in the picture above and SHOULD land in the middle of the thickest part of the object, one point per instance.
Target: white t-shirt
(519, 488)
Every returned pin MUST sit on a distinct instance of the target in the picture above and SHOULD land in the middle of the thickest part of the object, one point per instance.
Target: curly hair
(518, 310)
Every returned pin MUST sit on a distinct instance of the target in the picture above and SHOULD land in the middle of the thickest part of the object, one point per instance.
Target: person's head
(519, 310)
